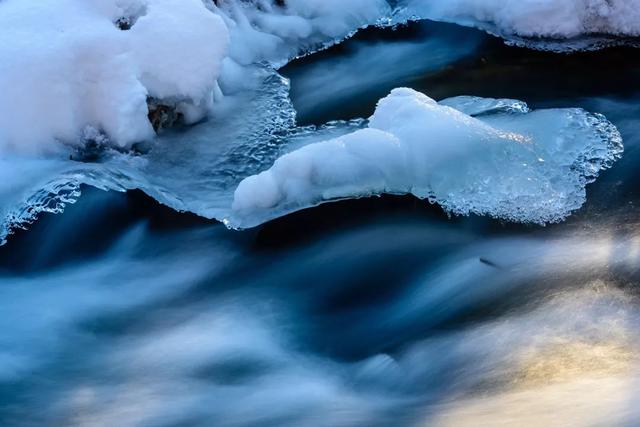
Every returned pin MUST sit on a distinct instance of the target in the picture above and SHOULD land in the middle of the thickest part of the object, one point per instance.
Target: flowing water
(373, 312)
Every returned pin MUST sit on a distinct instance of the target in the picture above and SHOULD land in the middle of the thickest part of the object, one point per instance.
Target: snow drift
(69, 65)
(507, 162)
(65, 65)
(554, 19)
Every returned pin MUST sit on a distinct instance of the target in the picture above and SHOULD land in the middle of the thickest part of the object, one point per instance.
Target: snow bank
(508, 163)
(337, 18)
(274, 32)
(535, 18)
(69, 64)
(65, 65)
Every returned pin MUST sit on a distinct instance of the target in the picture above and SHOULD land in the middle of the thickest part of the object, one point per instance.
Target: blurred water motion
(376, 312)
(185, 326)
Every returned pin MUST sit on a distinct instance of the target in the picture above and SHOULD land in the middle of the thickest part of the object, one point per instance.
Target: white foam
(507, 163)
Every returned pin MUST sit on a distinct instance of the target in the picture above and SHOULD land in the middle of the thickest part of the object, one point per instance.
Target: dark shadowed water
(373, 312)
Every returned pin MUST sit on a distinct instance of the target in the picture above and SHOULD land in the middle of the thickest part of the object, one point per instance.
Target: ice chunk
(475, 106)
(70, 64)
(509, 163)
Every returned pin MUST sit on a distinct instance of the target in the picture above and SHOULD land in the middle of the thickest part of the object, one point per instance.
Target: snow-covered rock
(68, 64)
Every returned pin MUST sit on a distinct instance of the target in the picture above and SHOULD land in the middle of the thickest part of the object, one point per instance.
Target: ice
(69, 64)
(195, 168)
(265, 31)
(507, 162)
(475, 106)
(73, 72)
(96, 62)
(545, 24)
(77, 77)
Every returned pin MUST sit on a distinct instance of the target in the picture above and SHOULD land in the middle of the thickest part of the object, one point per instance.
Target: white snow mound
(65, 65)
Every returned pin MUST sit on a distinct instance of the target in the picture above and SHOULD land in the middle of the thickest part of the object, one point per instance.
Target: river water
(373, 312)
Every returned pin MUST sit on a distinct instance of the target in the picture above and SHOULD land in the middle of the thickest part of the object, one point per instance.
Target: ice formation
(558, 19)
(195, 169)
(507, 162)
(275, 31)
(78, 71)
(69, 64)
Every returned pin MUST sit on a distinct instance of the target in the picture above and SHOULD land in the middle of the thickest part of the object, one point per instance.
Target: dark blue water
(374, 312)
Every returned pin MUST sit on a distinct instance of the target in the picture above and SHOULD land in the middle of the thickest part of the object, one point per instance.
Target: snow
(78, 70)
(263, 32)
(179, 46)
(560, 19)
(337, 18)
(65, 65)
(507, 162)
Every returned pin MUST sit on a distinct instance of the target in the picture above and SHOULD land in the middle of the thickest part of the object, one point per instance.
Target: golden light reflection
(584, 402)
(572, 384)
(565, 361)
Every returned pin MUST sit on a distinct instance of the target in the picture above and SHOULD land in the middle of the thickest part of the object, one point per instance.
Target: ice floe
(507, 162)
